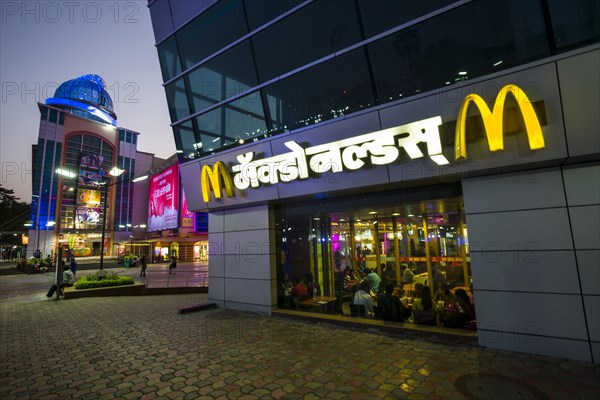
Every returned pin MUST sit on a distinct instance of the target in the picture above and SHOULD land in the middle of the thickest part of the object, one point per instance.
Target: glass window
(135, 137)
(232, 124)
(61, 118)
(53, 116)
(44, 114)
(329, 90)
(575, 22)
(169, 58)
(305, 36)
(224, 76)
(177, 100)
(128, 137)
(220, 25)
(259, 12)
(185, 140)
(380, 15)
(473, 40)
(121, 135)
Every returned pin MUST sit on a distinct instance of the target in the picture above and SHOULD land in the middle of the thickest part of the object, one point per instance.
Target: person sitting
(363, 298)
(313, 287)
(299, 291)
(407, 276)
(424, 308)
(462, 298)
(388, 275)
(374, 280)
(67, 281)
(443, 296)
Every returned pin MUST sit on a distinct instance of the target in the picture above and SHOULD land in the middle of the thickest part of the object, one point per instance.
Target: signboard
(163, 200)
(91, 161)
(187, 217)
(375, 148)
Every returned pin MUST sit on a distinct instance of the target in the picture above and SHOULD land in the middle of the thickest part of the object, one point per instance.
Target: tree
(13, 215)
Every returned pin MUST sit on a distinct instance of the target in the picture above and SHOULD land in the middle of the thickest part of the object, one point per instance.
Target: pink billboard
(163, 200)
(187, 217)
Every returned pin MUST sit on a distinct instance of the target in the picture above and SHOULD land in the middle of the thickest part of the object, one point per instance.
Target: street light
(114, 172)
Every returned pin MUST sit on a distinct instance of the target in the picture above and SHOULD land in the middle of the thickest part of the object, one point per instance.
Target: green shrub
(102, 279)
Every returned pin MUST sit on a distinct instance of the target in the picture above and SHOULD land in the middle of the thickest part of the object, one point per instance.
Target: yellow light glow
(492, 121)
(215, 177)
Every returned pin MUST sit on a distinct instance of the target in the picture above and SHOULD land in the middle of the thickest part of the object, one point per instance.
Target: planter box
(124, 290)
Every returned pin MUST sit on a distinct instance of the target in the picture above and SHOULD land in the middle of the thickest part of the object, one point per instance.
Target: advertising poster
(88, 215)
(163, 200)
(90, 178)
(91, 161)
(187, 217)
(88, 197)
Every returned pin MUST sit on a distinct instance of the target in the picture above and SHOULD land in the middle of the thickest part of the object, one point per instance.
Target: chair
(357, 310)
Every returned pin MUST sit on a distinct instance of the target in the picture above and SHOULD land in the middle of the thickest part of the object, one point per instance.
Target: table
(319, 302)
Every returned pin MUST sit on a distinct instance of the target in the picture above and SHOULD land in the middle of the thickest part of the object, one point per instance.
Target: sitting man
(363, 298)
(67, 281)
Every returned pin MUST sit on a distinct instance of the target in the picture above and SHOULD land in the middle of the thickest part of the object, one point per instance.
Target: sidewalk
(23, 287)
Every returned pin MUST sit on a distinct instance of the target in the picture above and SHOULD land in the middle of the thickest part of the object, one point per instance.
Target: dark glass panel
(232, 125)
(53, 116)
(185, 140)
(225, 76)
(220, 25)
(575, 22)
(169, 58)
(177, 100)
(380, 15)
(329, 90)
(473, 40)
(259, 12)
(313, 32)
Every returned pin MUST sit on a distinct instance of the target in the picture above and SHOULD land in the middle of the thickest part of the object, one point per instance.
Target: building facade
(79, 143)
(450, 136)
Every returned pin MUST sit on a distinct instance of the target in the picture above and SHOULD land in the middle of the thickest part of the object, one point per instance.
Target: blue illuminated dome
(86, 97)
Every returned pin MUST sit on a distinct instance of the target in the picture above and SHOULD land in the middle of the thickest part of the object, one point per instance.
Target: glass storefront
(337, 245)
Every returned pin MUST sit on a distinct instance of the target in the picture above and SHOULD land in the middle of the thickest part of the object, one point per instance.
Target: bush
(102, 279)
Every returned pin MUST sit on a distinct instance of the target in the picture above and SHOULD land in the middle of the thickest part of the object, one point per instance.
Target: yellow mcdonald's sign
(216, 177)
(492, 121)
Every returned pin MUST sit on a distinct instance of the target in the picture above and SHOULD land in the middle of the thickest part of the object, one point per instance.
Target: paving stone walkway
(141, 348)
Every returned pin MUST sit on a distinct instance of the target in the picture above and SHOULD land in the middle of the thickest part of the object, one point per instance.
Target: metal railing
(161, 279)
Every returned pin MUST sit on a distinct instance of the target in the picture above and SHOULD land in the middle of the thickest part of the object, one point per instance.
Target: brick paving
(141, 348)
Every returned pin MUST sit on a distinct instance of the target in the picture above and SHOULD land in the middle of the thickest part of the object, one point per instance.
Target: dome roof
(86, 94)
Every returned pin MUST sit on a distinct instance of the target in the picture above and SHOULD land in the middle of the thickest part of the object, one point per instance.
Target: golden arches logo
(492, 121)
(216, 177)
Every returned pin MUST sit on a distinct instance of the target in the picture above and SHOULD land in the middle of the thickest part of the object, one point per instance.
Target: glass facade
(338, 243)
(328, 58)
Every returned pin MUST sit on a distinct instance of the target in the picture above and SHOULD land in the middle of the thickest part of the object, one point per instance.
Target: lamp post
(113, 172)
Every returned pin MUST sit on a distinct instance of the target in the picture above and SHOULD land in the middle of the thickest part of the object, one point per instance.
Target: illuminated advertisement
(88, 215)
(187, 217)
(163, 200)
(90, 178)
(91, 161)
(89, 197)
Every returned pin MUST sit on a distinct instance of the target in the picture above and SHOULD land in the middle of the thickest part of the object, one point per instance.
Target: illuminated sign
(163, 200)
(212, 177)
(375, 148)
(492, 121)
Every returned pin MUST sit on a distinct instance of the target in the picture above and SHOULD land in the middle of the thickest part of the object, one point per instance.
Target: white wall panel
(216, 221)
(579, 83)
(256, 217)
(553, 347)
(592, 312)
(515, 191)
(589, 270)
(582, 184)
(237, 290)
(554, 315)
(248, 266)
(216, 265)
(247, 242)
(585, 221)
(528, 271)
(216, 288)
(546, 229)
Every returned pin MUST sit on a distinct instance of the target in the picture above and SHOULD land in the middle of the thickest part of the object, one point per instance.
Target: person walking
(173, 265)
(144, 266)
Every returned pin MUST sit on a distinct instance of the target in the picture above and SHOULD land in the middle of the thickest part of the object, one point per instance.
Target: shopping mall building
(462, 136)
(79, 147)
